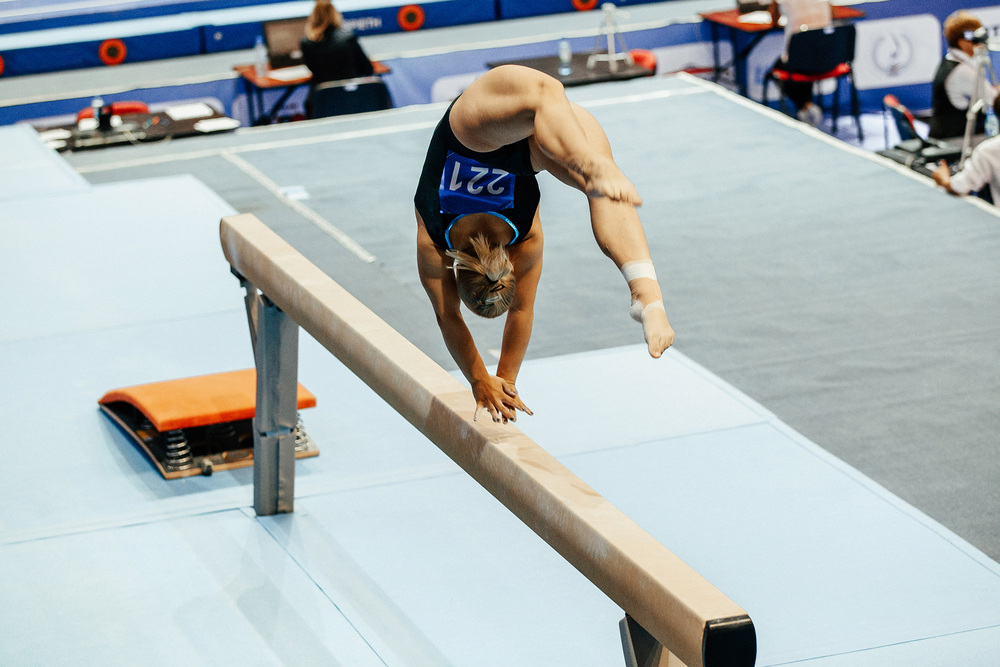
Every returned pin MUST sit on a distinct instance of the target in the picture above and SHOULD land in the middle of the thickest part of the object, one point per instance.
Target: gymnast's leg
(619, 234)
(511, 103)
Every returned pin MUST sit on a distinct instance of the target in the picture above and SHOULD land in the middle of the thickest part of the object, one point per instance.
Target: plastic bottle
(260, 57)
(992, 124)
(565, 57)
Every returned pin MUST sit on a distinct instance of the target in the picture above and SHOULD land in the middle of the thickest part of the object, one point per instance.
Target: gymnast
(478, 230)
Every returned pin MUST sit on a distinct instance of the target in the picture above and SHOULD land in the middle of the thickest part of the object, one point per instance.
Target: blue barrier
(511, 9)
(213, 31)
(59, 57)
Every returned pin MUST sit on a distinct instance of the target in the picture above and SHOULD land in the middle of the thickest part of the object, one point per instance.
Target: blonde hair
(957, 24)
(323, 16)
(486, 281)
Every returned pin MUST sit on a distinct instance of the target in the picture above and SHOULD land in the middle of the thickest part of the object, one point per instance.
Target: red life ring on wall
(411, 17)
(584, 5)
(1, 65)
(112, 51)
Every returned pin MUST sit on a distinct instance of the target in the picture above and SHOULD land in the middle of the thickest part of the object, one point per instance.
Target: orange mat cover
(198, 401)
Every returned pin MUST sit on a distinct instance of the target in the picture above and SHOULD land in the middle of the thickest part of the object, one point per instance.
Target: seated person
(331, 51)
(954, 86)
(982, 167)
(800, 15)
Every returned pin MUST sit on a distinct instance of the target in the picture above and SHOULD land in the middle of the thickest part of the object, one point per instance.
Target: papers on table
(188, 111)
(216, 124)
(55, 135)
(290, 73)
(761, 18)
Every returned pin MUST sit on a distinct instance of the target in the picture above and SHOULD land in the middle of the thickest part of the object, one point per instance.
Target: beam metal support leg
(276, 353)
(642, 649)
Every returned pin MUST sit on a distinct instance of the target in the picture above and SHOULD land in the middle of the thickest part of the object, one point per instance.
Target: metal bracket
(642, 649)
(250, 301)
(275, 339)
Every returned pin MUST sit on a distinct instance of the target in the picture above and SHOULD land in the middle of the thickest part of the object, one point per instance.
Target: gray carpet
(855, 302)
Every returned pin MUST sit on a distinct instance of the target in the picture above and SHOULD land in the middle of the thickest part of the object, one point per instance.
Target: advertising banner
(897, 52)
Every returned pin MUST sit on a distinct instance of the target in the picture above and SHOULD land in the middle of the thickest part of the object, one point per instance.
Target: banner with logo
(897, 52)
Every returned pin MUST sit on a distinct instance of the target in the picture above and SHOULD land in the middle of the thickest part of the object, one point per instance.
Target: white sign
(447, 88)
(990, 16)
(900, 51)
(759, 63)
(695, 56)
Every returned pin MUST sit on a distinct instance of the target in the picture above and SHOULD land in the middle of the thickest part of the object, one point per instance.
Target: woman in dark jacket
(330, 50)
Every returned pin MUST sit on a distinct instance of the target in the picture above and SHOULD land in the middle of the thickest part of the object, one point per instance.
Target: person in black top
(479, 236)
(954, 86)
(330, 50)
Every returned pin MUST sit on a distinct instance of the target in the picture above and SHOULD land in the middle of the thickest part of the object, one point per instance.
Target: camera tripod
(978, 102)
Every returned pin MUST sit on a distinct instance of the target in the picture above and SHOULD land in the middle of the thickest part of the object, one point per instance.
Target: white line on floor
(247, 148)
(321, 222)
(642, 97)
(353, 134)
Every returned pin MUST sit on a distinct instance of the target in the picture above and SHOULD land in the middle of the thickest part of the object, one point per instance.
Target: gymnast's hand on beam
(499, 398)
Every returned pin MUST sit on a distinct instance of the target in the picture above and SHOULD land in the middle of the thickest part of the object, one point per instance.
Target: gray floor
(856, 302)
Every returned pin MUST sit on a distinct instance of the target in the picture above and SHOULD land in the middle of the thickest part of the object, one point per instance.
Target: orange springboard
(198, 401)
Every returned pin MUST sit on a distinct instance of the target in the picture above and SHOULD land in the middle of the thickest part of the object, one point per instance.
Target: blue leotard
(456, 181)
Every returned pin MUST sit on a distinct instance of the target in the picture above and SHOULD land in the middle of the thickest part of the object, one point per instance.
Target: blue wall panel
(87, 54)
(217, 38)
(510, 9)
(92, 13)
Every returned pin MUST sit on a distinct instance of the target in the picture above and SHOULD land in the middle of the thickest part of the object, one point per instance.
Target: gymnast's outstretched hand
(499, 398)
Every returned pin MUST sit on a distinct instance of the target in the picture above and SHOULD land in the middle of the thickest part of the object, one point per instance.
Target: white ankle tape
(642, 268)
(637, 311)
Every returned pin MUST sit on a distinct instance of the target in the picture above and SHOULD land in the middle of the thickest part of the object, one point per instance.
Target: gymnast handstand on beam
(478, 229)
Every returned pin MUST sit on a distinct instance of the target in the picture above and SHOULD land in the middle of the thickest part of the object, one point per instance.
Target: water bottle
(260, 57)
(992, 124)
(565, 58)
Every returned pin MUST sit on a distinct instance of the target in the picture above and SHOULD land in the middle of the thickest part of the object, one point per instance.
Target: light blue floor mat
(30, 168)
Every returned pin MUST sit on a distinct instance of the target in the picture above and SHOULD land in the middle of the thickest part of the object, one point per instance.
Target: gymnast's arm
(492, 393)
(511, 103)
(527, 260)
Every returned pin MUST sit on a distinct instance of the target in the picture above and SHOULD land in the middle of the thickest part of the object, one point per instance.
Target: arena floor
(820, 444)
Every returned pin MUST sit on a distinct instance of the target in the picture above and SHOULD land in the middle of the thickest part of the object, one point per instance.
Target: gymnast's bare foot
(604, 179)
(657, 331)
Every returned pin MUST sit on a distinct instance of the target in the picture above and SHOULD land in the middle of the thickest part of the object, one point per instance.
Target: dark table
(745, 36)
(135, 128)
(580, 75)
(276, 79)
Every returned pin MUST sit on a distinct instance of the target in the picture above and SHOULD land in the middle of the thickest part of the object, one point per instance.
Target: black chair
(927, 150)
(336, 98)
(817, 55)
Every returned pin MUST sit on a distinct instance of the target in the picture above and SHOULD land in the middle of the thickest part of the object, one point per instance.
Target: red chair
(117, 108)
(818, 55)
(643, 58)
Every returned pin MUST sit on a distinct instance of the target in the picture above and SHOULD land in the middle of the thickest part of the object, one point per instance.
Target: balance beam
(671, 602)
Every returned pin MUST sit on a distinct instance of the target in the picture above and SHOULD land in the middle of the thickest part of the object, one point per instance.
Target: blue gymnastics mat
(394, 556)
(30, 168)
